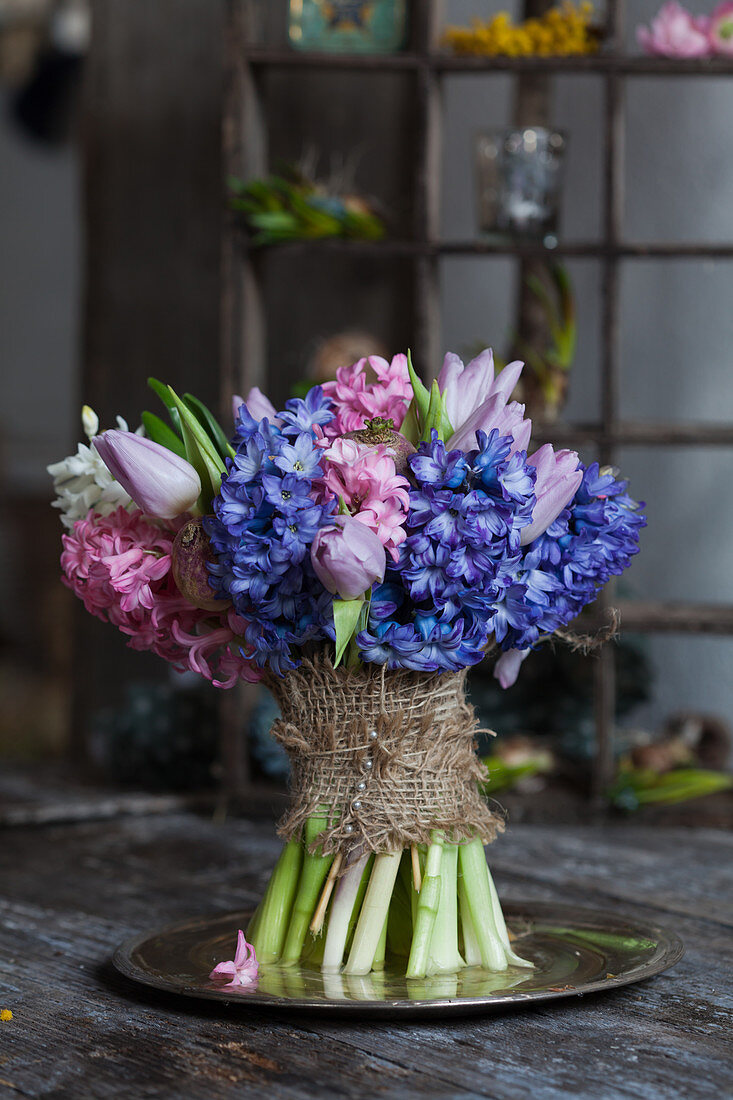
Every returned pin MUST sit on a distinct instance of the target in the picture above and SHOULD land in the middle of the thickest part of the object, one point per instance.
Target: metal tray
(575, 951)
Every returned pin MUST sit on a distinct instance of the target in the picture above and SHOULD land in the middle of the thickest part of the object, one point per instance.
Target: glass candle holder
(519, 183)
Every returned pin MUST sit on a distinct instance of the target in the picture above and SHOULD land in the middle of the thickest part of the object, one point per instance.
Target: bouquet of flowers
(357, 552)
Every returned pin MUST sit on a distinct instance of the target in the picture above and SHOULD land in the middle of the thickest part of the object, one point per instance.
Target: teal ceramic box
(348, 26)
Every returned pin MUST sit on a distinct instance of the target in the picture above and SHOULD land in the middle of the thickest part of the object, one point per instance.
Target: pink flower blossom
(720, 31)
(507, 667)
(357, 397)
(674, 32)
(366, 480)
(242, 969)
(120, 567)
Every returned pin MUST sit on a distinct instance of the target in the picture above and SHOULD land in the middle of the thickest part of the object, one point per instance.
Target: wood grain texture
(70, 893)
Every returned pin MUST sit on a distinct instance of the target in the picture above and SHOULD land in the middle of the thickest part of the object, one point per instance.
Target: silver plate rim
(670, 949)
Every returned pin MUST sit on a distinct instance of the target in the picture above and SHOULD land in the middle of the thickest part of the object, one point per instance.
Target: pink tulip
(721, 29)
(558, 480)
(161, 484)
(507, 667)
(348, 557)
(674, 32)
(243, 969)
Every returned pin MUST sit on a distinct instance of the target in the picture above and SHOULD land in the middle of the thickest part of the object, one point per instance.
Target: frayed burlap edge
(385, 757)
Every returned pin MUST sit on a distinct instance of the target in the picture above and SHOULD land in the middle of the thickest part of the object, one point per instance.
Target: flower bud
(160, 483)
(558, 480)
(348, 557)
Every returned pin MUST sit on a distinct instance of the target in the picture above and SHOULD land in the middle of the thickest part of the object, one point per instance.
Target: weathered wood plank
(68, 894)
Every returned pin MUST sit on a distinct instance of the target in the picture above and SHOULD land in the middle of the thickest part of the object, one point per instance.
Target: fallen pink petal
(243, 969)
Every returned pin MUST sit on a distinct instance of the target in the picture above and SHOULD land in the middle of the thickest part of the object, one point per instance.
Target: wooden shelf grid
(243, 308)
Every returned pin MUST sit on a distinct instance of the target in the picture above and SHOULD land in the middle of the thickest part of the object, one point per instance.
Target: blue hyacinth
(593, 539)
(436, 608)
(264, 522)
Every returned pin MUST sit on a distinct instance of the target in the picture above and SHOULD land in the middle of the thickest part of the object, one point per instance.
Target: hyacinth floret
(369, 388)
(593, 539)
(120, 566)
(435, 611)
(265, 519)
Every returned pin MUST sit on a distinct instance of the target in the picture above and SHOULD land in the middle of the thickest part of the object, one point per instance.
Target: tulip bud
(558, 480)
(160, 483)
(348, 557)
(259, 406)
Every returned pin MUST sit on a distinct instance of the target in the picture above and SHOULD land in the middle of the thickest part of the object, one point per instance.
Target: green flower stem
(379, 954)
(361, 894)
(399, 922)
(312, 877)
(373, 912)
(427, 909)
(444, 956)
(470, 942)
(342, 909)
(270, 922)
(472, 862)
(512, 957)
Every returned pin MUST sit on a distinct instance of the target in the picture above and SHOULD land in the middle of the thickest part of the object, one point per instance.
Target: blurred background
(574, 212)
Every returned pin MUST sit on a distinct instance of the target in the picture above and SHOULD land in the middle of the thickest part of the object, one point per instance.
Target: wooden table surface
(70, 892)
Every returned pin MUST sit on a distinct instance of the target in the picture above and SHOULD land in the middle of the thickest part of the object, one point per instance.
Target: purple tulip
(507, 667)
(494, 413)
(237, 402)
(259, 406)
(558, 480)
(465, 388)
(161, 484)
(348, 557)
(475, 400)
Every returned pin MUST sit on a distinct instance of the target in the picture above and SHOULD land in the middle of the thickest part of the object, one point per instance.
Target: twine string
(386, 758)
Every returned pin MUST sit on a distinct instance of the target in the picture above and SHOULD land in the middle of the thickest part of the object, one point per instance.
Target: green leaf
(434, 415)
(420, 391)
(161, 390)
(201, 453)
(208, 421)
(346, 619)
(157, 430)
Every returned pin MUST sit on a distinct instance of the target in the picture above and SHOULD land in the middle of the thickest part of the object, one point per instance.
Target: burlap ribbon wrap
(388, 756)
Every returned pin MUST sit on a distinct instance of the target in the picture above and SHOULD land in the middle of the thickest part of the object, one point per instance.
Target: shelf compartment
(600, 64)
(672, 617)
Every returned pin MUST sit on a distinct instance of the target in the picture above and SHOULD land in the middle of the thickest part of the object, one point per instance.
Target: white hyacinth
(82, 481)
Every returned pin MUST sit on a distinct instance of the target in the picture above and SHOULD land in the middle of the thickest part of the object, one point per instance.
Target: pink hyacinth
(357, 397)
(674, 32)
(120, 567)
(243, 969)
(366, 480)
